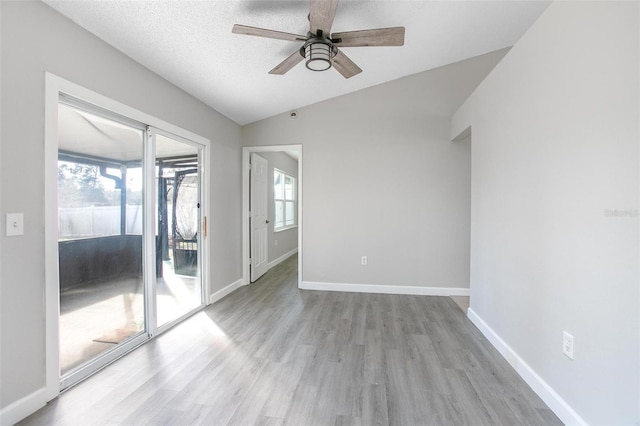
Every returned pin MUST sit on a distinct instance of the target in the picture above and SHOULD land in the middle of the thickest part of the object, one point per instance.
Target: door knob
(266, 221)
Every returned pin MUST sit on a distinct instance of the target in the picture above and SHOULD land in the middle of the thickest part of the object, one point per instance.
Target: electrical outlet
(276, 242)
(364, 260)
(567, 344)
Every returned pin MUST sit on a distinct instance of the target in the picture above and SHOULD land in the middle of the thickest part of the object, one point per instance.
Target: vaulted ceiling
(190, 44)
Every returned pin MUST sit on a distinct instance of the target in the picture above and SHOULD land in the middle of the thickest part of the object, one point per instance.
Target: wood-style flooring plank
(374, 404)
(271, 354)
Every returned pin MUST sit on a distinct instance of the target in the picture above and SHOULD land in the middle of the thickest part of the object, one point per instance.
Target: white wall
(554, 148)
(382, 179)
(282, 242)
(36, 39)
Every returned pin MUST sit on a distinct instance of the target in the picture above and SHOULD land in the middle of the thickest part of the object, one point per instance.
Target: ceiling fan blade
(287, 64)
(321, 15)
(376, 37)
(261, 32)
(345, 66)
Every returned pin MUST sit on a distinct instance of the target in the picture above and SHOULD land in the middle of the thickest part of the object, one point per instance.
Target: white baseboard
(283, 258)
(555, 402)
(225, 291)
(18, 410)
(385, 289)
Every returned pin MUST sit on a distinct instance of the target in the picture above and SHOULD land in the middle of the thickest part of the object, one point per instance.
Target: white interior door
(259, 217)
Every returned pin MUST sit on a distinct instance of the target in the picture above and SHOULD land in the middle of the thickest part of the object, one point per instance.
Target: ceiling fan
(321, 48)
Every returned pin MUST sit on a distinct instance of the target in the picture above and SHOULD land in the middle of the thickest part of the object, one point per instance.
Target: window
(284, 189)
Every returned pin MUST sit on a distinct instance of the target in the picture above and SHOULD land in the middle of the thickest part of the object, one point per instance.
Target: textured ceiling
(190, 44)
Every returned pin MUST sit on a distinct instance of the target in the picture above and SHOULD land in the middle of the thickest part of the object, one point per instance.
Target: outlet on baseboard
(364, 260)
(567, 344)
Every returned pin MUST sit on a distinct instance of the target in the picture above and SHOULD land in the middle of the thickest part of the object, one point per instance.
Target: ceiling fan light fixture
(320, 46)
(318, 55)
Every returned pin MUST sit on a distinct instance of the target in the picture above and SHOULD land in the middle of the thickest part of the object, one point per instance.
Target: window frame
(284, 200)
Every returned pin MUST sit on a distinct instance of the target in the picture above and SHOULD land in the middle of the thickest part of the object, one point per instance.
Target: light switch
(15, 224)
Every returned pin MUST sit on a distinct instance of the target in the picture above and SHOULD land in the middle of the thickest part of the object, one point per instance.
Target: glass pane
(134, 201)
(100, 255)
(179, 288)
(279, 214)
(278, 186)
(89, 204)
(290, 214)
(288, 188)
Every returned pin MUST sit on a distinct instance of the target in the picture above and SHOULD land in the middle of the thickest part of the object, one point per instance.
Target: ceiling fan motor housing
(318, 53)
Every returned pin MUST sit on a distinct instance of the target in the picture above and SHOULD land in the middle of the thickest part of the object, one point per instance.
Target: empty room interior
(320, 212)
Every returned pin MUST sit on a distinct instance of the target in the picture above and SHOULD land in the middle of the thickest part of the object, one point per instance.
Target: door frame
(246, 232)
(54, 86)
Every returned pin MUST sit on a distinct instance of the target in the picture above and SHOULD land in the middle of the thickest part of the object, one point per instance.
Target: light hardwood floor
(270, 354)
(462, 302)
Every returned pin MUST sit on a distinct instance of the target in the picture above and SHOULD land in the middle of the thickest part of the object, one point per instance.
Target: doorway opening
(272, 208)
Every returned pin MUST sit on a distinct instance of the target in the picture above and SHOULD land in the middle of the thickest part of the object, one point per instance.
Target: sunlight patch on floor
(95, 318)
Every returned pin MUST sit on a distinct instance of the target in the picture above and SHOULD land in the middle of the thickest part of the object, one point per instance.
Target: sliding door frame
(151, 284)
(54, 87)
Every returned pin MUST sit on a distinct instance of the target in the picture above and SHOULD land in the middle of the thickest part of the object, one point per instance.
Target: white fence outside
(85, 222)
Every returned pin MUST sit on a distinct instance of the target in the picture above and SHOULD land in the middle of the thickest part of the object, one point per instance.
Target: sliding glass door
(129, 234)
(102, 292)
(179, 231)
